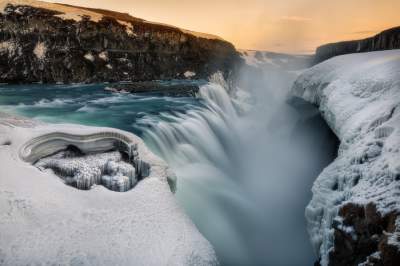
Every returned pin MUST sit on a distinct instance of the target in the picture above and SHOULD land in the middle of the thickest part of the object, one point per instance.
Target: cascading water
(200, 145)
(244, 180)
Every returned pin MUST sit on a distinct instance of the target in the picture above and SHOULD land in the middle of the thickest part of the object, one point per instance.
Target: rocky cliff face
(354, 215)
(43, 42)
(386, 40)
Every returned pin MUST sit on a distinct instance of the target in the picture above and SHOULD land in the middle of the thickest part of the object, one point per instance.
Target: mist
(245, 166)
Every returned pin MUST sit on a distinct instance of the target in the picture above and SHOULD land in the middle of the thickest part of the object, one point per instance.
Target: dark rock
(369, 236)
(105, 51)
(180, 89)
(386, 40)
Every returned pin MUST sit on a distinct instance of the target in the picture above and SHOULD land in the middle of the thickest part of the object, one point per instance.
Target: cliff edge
(386, 40)
(55, 43)
(354, 215)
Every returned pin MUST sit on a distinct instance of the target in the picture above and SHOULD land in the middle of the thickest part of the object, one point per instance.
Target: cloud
(295, 18)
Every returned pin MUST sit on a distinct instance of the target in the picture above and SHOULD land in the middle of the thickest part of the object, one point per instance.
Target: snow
(89, 56)
(250, 58)
(69, 12)
(103, 56)
(40, 50)
(44, 221)
(269, 60)
(194, 33)
(202, 35)
(189, 74)
(128, 26)
(8, 47)
(359, 97)
(394, 238)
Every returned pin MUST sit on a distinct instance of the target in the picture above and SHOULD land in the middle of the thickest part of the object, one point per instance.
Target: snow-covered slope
(44, 221)
(353, 216)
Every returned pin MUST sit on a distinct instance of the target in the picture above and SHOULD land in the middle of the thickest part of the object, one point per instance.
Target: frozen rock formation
(43, 221)
(84, 171)
(354, 213)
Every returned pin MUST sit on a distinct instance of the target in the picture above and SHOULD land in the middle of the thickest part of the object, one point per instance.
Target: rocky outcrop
(171, 88)
(386, 40)
(54, 43)
(362, 236)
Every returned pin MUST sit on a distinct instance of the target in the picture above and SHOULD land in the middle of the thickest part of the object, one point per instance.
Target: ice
(83, 172)
(89, 56)
(40, 50)
(359, 97)
(103, 56)
(189, 74)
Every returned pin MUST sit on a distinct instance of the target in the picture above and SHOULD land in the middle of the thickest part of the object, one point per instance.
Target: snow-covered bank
(44, 221)
(353, 216)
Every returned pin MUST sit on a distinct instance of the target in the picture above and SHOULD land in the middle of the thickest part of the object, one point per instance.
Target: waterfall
(243, 179)
(204, 134)
(200, 146)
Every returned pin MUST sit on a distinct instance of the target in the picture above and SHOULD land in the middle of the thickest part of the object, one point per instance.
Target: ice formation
(359, 97)
(83, 172)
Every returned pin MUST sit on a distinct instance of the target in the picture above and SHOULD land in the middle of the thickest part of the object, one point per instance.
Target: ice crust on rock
(83, 172)
(359, 97)
(43, 221)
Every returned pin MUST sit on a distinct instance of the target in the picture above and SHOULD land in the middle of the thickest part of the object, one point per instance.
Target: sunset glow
(296, 26)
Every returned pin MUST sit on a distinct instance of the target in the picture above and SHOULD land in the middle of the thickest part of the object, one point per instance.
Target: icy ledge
(87, 160)
(43, 221)
(353, 217)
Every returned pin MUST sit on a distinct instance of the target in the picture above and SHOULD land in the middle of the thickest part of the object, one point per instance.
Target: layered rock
(354, 215)
(386, 40)
(50, 43)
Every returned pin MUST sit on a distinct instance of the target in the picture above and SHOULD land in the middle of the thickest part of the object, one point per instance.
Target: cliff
(386, 40)
(354, 215)
(54, 43)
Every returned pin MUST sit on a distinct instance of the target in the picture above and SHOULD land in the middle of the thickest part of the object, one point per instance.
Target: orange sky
(294, 26)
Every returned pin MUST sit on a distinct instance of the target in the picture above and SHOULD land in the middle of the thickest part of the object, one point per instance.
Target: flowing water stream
(243, 179)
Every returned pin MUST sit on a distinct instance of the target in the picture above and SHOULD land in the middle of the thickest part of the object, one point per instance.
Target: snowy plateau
(44, 221)
(353, 217)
